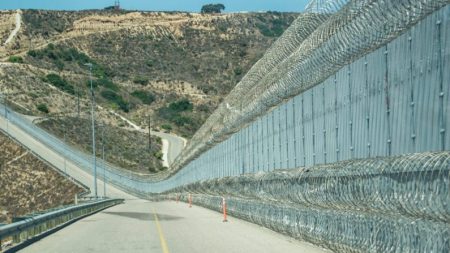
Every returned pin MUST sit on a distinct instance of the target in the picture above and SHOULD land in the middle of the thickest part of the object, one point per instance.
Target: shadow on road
(144, 216)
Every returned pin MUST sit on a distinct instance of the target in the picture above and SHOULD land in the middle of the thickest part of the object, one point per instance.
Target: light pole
(6, 112)
(65, 149)
(149, 133)
(94, 159)
(103, 159)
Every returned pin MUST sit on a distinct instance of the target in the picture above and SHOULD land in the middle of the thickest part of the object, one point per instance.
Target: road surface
(141, 226)
(176, 145)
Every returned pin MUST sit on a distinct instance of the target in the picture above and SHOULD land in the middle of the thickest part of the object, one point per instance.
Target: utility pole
(94, 158)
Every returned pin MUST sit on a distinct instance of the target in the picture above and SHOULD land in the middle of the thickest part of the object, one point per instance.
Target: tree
(212, 8)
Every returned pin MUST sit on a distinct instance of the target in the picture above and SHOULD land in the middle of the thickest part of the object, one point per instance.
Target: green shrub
(238, 71)
(33, 53)
(145, 96)
(150, 63)
(103, 82)
(142, 80)
(181, 105)
(59, 83)
(174, 112)
(43, 108)
(158, 155)
(60, 54)
(166, 127)
(116, 99)
(15, 59)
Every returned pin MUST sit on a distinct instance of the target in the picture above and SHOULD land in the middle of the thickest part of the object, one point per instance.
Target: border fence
(349, 79)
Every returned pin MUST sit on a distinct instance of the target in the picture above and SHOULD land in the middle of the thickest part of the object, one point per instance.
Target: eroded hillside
(151, 59)
(172, 67)
(27, 184)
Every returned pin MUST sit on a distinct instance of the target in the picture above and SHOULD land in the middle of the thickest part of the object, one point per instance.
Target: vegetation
(60, 83)
(43, 108)
(174, 112)
(162, 62)
(15, 59)
(142, 80)
(116, 99)
(145, 96)
(133, 152)
(60, 56)
(103, 82)
(238, 71)
(24, 181)
(167, 127)
(212, 8)
(274, 28)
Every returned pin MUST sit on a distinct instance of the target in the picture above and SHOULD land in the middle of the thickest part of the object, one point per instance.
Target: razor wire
(372, 205)
(358, 28)
(340, 231)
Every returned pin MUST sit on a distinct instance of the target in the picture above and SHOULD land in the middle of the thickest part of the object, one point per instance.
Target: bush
(60, 54)
(238, 71)
(59, 83)
(103, 82)
(145, 96)
(181, 105)
(173, 112)
(150, 63)
(166, 127)
(15, 59)
(142, 80)
(158, 155)
(43, 108)
(116, 99)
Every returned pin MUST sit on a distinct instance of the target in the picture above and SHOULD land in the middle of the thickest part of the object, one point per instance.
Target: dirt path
(17, 158)
(17, 29)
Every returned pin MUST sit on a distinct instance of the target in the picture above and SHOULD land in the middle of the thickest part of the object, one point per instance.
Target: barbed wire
(316, 45)
(389, 204)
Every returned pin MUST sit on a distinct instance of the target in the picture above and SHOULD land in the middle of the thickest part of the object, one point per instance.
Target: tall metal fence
(354, 80)
(394, 100)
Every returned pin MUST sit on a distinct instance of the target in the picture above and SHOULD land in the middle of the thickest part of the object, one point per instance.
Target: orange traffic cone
(224, 208)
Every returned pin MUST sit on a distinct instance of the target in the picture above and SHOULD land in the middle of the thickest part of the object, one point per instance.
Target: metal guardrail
(29, 228)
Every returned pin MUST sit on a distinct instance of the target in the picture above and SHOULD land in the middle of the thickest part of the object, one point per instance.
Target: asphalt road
(142, 226)
(176, 145)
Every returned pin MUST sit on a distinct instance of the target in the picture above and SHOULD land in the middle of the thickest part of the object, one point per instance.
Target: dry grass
(27, 184)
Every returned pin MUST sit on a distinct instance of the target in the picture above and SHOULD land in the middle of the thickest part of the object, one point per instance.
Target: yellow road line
(164, 247)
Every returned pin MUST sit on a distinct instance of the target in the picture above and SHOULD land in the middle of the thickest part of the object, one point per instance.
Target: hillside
(133, 152)
(174, 67)
(27, 184)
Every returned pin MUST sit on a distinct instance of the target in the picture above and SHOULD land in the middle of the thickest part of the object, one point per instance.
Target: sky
(158, 5)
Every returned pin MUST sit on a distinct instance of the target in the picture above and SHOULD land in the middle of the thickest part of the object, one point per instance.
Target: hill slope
(175, 67)
(28, 184)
